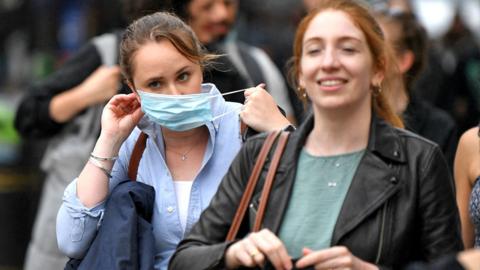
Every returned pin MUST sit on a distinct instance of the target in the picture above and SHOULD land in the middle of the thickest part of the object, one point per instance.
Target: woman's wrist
(107, 146)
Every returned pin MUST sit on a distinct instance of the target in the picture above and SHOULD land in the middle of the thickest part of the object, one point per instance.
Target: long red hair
(382, 54)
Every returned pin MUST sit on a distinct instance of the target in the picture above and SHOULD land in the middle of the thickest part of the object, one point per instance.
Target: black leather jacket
(400, 206)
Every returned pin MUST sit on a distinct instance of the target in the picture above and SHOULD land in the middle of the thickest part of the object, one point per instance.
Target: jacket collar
(374, 182)
(382, 141)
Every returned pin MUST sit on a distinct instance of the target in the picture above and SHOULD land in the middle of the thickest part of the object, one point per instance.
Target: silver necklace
(183, 156)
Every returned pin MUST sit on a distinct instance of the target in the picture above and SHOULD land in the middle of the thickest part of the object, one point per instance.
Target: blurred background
(37, 36)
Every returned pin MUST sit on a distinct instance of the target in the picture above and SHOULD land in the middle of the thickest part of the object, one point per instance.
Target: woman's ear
(405, 61)
(301, 81)
(132, 88)
(377, 78)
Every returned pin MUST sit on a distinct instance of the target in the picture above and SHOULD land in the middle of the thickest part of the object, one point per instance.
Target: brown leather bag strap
(252, 182)
(136, 156)
(267, 187)
(243, 128)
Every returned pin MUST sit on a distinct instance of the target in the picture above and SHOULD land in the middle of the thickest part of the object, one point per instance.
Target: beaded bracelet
(97, 164)
(103, 158)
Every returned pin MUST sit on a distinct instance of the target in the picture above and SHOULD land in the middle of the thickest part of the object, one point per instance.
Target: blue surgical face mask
(179, 112)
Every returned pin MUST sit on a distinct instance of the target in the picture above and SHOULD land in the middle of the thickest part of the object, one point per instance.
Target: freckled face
(158, 67)
(336, 66)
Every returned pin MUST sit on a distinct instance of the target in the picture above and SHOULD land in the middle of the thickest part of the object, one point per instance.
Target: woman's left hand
(260, 111)
(338, 257)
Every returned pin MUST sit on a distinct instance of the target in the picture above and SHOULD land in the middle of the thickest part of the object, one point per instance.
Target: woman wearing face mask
(352, 190)
(193, 135)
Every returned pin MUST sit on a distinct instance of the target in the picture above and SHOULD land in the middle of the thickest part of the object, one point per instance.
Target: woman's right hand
(120, 116)
(255, 248)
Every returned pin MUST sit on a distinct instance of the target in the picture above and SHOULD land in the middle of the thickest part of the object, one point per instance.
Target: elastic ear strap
(252, 182)
(267, 187)
(136, 156)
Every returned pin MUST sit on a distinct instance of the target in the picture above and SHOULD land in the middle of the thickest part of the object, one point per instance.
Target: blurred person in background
(66, 108)
(242, 65)
(460, 94)
(270, 25)
(451, 80)
(409, 40)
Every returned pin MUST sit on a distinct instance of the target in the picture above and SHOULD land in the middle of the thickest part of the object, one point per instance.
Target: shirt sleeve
(77, 224)
(33, 118)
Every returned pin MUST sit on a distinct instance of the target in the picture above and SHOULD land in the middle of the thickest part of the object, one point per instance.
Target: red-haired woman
(352, 190)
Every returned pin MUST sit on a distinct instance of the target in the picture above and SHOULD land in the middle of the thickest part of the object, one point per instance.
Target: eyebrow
(160, 78)
(341, 39)
(183, 69)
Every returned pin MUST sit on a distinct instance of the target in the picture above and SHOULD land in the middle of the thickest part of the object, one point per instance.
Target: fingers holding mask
(260, 110)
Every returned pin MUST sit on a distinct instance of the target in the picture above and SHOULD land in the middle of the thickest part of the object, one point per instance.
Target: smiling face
(158, 67)
(336, 65)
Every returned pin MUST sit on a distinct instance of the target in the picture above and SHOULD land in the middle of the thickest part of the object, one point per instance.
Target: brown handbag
(252, 182)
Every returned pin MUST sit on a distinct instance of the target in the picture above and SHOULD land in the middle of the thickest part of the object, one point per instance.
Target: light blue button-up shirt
(77, 224)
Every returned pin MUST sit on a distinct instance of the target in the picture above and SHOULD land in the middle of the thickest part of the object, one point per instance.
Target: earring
(376, 90)
(302, 92)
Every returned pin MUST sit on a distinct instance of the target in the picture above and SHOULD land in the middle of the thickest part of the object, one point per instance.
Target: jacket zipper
(382, 232)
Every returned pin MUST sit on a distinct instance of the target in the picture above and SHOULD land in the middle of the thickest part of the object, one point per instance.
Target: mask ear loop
(233, 92)
(235, 110)
(228, 93)
(238, 110)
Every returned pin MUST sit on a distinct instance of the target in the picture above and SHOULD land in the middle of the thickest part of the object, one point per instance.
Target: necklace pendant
(184, 157)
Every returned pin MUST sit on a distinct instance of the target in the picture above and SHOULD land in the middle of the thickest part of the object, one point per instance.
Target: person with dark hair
(353, 190)
(192, 135)
(409, 40)
(241, 64)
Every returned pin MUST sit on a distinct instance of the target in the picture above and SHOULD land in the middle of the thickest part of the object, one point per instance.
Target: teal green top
(320, 187)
